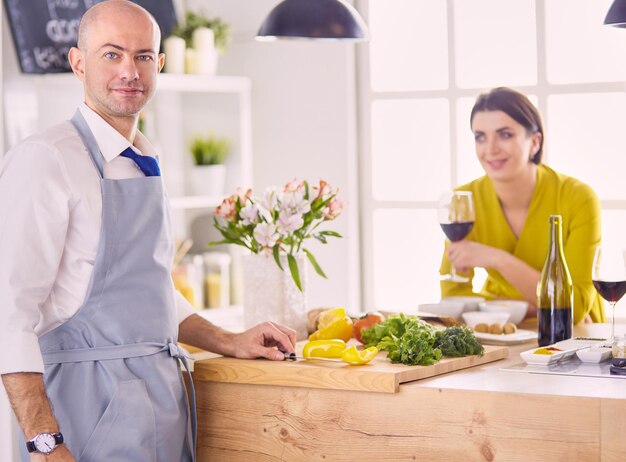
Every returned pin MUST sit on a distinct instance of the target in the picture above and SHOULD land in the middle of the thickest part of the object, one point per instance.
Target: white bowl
(444, 308)
(470, 302)
(476, 317)
(516, 308)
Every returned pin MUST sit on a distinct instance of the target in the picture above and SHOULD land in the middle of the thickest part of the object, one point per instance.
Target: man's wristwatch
(44, 443)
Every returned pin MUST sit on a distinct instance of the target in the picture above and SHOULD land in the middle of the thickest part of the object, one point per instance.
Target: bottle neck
(556, 237)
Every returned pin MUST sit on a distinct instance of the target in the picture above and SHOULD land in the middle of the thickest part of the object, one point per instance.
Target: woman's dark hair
(517, 106)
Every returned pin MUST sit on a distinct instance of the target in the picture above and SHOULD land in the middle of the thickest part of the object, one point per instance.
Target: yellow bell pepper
(333, 324)
(324, 349)
(353, 356)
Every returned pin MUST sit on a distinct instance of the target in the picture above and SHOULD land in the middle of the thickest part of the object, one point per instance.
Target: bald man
(92, 365)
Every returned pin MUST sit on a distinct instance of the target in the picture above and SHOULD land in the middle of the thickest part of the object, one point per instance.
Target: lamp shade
(313, 19)
(616, 15)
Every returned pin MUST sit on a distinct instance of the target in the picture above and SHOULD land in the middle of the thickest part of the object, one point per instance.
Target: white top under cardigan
(50, 217)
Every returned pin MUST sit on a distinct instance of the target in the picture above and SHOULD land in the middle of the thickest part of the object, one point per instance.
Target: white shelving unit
(183, 106)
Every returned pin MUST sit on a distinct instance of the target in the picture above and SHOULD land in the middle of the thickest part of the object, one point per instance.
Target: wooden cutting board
(378, 376)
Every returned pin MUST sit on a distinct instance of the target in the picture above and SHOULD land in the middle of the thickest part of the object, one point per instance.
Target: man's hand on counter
(266, 340)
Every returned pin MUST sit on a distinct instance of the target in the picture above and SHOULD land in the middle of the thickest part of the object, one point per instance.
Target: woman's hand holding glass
(456, 217)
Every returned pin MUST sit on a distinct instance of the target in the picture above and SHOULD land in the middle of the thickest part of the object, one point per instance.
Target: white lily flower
(295, 202)
(288, 222)
(265, 234)
(249, 214)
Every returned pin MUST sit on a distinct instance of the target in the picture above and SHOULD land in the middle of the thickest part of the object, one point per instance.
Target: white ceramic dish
(470, 302)
(443, 308)
(595, 354)
(516, 308)
(531, 357)
(476, 317)
(521, 336)
(568, 349)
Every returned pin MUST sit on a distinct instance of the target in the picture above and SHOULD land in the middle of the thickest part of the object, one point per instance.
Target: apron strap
(134, 350)
(89, 141)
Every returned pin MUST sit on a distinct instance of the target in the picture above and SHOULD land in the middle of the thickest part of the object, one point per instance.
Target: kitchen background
(386, 121)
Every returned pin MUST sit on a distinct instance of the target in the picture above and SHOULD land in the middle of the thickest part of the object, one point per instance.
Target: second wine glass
(455, 211)
(609, 276)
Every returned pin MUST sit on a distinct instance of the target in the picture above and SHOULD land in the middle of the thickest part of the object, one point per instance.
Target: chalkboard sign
(44, 30)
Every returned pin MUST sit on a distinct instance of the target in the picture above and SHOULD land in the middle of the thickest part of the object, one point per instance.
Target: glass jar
(619, 347)
(217, 279)
(188, 279)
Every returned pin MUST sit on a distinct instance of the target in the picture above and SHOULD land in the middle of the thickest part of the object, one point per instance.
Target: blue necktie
(147, 164)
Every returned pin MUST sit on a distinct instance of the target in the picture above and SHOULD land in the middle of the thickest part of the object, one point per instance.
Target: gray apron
(112, 370)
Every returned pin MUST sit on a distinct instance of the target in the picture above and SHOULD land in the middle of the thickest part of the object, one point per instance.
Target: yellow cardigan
(554, 194)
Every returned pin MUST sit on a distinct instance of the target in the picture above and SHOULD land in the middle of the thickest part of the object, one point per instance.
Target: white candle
(203, 39)
(174, 48)
(191, 61)
(206, 63)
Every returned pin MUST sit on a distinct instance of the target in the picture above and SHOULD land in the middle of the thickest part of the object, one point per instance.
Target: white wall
(304, 111)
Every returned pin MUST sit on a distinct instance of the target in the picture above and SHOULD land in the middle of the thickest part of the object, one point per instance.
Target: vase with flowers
(275, 229)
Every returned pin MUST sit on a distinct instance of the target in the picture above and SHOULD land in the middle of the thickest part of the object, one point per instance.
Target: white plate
(594, 354)
(521, 336)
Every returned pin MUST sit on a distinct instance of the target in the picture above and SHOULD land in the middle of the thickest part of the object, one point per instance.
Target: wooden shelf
(195, 202)
(202, 83)
(191, 83)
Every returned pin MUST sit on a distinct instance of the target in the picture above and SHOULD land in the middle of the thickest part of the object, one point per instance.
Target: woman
(513, 203)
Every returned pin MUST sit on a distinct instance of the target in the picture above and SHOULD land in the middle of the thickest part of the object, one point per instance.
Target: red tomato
(365, 322)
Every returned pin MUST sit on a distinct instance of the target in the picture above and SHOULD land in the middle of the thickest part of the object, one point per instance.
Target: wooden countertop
(475, 414)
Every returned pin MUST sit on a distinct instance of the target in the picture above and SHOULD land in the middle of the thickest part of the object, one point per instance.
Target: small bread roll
(481, 327)
(495, 328)
(509, 328)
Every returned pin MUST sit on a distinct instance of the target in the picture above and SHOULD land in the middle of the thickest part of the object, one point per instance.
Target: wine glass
(609, 276)
(456, 217)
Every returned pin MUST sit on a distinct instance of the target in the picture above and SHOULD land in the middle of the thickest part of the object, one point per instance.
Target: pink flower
(294, 185)
(334, 209)
(226, 209)
(323, 190)
(241, 195)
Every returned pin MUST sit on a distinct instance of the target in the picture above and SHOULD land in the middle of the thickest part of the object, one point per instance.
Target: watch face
(45, 443)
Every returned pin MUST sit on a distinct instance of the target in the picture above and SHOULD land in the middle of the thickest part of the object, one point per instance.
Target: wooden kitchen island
(481, 414)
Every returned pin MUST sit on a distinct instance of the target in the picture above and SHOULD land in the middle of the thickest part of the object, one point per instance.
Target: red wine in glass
(611, 291)
(458, 230)
(609, 276)
(455, 211)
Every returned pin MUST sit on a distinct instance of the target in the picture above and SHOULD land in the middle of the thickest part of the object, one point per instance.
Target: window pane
(586, 139)
(495, 43)
(409, 45)
(410, 149)
(408, 245)
(579, 47)
(468, 167)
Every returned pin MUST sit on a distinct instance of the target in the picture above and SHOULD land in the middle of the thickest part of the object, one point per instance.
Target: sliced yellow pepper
(324, 349)
(353, 356)
(333, 324)
(327, 317)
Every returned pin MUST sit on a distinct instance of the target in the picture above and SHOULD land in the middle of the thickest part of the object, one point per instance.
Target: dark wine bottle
(555, 292)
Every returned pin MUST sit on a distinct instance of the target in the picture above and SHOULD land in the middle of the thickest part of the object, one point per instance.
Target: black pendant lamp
(313, 20)
(617, 14)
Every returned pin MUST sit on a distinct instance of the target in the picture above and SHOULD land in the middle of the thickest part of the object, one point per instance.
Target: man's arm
(27, 394)
(267, 340)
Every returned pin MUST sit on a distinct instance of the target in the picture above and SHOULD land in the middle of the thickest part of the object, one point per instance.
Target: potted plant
(209, 172)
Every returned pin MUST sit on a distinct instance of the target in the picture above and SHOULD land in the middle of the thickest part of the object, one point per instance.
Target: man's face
(119, 63)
